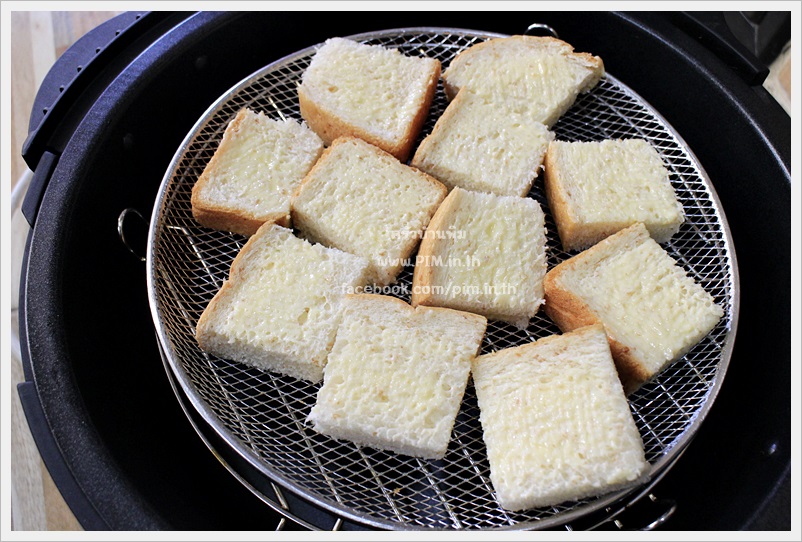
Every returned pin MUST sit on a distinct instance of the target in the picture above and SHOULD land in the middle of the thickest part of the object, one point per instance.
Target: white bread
(396, 375)
(362, 200)
(484, 254)
(652, 310)
(597, 188)
(368, 91)
(480, 145)
(541, 76)
(280, 306)
(255, 169)
(556, 422)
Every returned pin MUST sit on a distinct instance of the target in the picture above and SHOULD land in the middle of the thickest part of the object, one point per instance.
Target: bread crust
(407, 246)
(423, 149)
(423, 274)
(451, 89)
(233, 276)
(220, 218)
(575, 234)
(558, 200)
(215, 216)
(439, 135)
(434, 248)
(329, 126)
(476, 318)
(570, 312)
(310, 175)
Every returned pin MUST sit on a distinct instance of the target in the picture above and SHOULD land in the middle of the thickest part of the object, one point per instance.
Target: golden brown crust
(451, 89)
(477, 319)
(219, 217)
(423, 112)
(430, 245)
(434, 249)
(381, 299)
(232, 129)
(210, 215)
(558, 200)
(596, 65)
(233, 276)
(567, 310)
(523, 350)
(296, 219)
(439, 126)
(329, 126)
(630, 369)
(570, 312)
(312, 173)
(322, 122)
(573, 234)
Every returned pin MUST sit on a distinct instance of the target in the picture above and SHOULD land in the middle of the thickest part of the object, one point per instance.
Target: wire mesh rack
(262, 415)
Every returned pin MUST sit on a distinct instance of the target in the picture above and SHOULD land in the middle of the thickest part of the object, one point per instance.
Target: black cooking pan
(97, 398)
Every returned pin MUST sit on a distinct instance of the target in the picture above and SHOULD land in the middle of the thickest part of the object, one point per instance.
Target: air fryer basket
(262, 415)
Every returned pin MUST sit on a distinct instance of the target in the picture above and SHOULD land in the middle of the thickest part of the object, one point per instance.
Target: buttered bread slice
(396, 375)
(254, 171)
(280, 306)
(540, 76)
(652, 311)
(597, 188)
(483, 253)
(556, 422)
(479, 145)
(368, 91)
(362, 200)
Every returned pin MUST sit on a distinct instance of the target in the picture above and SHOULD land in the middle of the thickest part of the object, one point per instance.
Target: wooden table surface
(37, 40)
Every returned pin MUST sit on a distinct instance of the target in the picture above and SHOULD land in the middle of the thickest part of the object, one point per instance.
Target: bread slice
(652, 310)
(478, 145)
(540, 76)
(396, 375)
(485, 254)
(280, 306)
(257, 166)
(361, 199)
(597, 188)
(368, 91)
(556, 422)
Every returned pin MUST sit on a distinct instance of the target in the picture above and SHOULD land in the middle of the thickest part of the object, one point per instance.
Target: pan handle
(121, 231)
(541, 29)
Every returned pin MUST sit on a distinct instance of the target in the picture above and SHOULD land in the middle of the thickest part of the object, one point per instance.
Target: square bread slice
(556, 422)
(254, 171)
(396, 375)
(653, 312)
(540, 76)
(280, 306)
(485, 254)
(362, 200)
(479, 145)
(368, 91)
(596, 188)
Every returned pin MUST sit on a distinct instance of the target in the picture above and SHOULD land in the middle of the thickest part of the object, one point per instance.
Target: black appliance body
(105, 126)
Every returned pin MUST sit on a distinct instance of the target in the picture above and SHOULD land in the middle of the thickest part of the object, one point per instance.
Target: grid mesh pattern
(263, 415)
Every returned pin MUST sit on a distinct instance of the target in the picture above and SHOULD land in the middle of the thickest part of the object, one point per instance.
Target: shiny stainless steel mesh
(262, 415)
